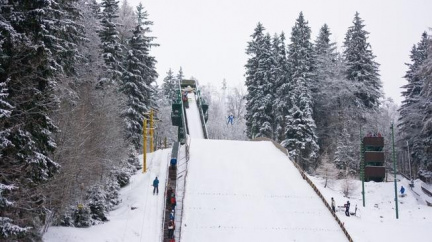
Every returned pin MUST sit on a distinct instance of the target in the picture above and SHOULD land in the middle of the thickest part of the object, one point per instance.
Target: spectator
(173, 201)
(168, 195)
(172, 215)
(156, 186)
(171, 227)
(347, 206)
(173, 163)
(333, 206)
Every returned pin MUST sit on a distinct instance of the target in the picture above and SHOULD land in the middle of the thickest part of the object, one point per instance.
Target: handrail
(164, 204)
(302, 173)
(183, 113)
(187, 146)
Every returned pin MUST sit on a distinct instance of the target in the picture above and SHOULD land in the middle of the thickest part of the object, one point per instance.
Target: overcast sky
(208, 38)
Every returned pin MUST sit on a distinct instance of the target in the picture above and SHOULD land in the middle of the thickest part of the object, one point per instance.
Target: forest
(77, 78)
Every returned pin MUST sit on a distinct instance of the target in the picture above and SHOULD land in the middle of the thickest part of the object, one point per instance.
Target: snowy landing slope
(142, 224)
(250, 191)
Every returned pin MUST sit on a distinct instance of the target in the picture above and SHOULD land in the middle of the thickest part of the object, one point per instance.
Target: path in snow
(250, 191)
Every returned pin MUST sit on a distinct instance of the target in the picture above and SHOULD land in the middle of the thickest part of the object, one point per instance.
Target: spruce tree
(281, 86)
(111, 47)
(150, 74)
(29, 41)
(411, 116)
(362, 70)
(135, 84)
(266, 75)
(300, 136)
(253, 82)
(425, 100)
(169, 86)
(329, 82)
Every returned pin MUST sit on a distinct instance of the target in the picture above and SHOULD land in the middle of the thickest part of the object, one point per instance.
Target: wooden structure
(374, 158)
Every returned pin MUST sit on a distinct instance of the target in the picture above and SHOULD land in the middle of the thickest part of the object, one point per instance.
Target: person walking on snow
(333, 205)
(156, 186)
(230, 119)
(347, 208)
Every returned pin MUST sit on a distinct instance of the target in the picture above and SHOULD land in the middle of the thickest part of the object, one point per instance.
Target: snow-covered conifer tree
(169, 86)
(281, 86)
(411, 115)
(426, 100)
(362, 70)
(135, 81)
(110, 41)
(329, 83)
(300, 137)
(266, 75)
(259, 100)
(29, 41)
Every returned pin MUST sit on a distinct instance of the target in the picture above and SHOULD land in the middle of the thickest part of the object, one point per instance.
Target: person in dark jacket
(347, 206)
(168, 195)
(333, 205)
(402, 190)
(173, 201)
(171, 227)
(230, 119)
(156, 186)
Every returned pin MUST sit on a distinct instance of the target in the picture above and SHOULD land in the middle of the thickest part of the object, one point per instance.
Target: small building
(373, 155)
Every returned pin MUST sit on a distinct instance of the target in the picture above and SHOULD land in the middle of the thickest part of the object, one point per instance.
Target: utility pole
(409, 161)
(394, 170)
(145, 145)
(362, 167)
(151, 131)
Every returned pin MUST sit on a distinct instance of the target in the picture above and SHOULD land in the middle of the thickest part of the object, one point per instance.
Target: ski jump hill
(249, 191)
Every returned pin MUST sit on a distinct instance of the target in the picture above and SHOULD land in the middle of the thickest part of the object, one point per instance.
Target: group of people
(171, 200)
(347, 207)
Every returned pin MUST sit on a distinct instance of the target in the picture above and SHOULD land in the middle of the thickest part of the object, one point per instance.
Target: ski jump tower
(178, 113)
(374, 169)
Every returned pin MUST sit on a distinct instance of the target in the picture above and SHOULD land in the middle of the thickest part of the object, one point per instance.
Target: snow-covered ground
(137, 218)
(377, 220)
(250, 191)
(253, 193)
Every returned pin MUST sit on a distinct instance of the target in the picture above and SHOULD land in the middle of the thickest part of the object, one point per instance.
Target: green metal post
(362, 167)
(394, 170)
